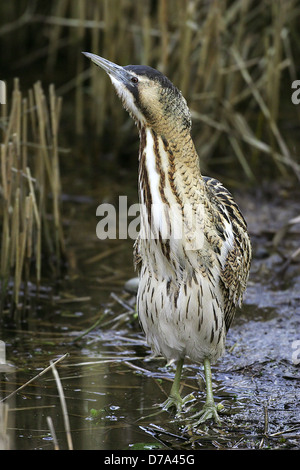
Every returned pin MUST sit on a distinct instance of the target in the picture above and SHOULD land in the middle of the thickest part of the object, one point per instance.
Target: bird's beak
(113, 70)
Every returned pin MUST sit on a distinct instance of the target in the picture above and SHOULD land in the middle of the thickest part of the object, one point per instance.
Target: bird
(193, 251)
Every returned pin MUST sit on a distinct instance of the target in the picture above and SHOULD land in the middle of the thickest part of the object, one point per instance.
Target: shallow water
(113, 387)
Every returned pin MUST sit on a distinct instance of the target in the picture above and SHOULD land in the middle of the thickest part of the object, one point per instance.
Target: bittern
(190, 280)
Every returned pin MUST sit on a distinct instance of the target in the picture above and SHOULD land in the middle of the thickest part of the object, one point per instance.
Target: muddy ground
(112, 386)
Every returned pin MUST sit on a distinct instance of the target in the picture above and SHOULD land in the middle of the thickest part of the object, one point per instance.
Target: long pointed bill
(110, 68)
(122, 81)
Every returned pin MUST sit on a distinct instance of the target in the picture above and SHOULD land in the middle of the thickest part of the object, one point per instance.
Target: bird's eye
(134, 79)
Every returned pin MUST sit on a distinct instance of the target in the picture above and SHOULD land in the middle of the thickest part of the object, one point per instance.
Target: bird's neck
(169, 169)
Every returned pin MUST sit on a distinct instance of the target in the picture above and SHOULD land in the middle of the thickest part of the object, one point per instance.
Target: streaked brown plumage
(193, 253)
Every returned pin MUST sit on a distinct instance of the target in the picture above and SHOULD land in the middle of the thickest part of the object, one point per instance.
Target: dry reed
(30, 218)
(230, 59)
(4, 435)
(233, 60)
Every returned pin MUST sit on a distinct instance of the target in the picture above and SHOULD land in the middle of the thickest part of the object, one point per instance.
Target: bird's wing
(235, 269)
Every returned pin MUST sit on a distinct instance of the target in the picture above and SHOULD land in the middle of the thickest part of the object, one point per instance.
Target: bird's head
(150, 98)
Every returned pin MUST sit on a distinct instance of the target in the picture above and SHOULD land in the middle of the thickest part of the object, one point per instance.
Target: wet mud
(112, 385)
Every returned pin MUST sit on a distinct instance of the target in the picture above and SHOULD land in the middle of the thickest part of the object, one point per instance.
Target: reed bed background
(234, 61)
(30, 220)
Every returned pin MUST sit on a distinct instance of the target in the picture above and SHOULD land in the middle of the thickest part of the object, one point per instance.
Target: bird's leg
(175, 399)
(209, 410)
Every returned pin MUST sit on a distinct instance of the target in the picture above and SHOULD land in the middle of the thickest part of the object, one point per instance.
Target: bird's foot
(175, 401)
(209, 411)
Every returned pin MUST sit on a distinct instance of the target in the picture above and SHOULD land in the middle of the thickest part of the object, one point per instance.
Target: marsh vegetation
(67, 145)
